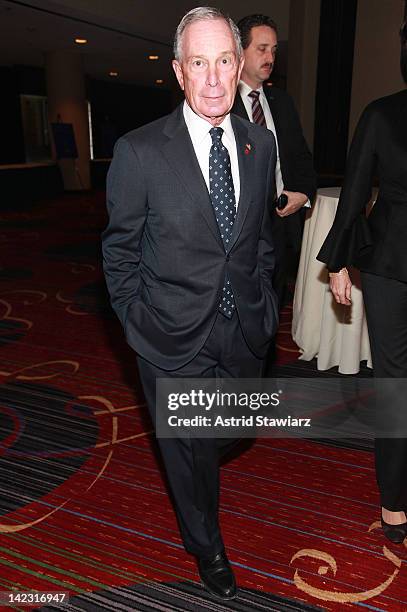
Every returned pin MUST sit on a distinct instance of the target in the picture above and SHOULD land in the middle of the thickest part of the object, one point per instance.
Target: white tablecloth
(337, 335)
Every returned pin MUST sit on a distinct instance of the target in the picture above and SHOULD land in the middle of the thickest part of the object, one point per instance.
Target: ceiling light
(113, 73)
(159, 81)
(81, 41)
(153, 57)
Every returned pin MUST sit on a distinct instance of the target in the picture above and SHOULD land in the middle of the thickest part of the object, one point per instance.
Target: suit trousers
(192, 465)
(386, 312)
(287, 237)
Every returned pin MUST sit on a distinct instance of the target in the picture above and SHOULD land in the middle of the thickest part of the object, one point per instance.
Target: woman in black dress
(378, 247)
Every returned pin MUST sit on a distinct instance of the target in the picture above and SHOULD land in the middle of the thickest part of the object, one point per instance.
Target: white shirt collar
(244, 89)
(198, 128)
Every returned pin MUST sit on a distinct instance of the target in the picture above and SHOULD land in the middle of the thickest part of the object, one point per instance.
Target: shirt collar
(198, 128)
(244, 89)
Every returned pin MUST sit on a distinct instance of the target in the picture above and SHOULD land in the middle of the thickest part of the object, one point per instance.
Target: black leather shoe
(217, 576)
(395, 533)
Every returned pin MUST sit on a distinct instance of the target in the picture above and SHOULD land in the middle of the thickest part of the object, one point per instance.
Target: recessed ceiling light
(269, 84)
(81, 41)
(113, 73)
(159, 81)
(153, 57)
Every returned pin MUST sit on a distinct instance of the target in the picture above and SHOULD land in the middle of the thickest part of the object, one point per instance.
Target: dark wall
(16, 80)
(334, 84)
(11, 128)
(118, 108)
(31, 80)
(20, 187)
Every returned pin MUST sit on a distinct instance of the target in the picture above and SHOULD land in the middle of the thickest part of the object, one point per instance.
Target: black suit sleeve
(266, 250)
(300, 175)
(350, 233)
(121, 241)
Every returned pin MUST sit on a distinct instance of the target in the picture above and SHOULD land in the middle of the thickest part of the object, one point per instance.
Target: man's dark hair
(246, 24)
(403, 52)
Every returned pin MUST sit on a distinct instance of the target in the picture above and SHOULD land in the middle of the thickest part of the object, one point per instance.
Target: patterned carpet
(83, 501)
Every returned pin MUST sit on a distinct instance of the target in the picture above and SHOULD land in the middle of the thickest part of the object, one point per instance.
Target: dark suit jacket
(295, 158)
(164, 259)
(377, 244)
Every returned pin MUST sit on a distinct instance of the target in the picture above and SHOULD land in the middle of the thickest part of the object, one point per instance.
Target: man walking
(188, 258)
(274, 109)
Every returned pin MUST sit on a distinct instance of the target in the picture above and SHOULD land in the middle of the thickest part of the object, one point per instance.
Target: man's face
(259, 56)
(209, 69)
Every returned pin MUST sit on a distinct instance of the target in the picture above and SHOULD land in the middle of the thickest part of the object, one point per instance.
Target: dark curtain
(334, 85)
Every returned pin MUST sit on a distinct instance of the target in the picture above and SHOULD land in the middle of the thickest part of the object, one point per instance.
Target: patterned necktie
(257, 111)
(222, 194)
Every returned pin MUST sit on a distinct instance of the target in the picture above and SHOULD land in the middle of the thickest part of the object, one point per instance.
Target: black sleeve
(350, 232)
(121, 240)
(301, 173)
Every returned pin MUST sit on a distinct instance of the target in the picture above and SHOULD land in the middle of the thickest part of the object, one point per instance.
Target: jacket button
(227, 257)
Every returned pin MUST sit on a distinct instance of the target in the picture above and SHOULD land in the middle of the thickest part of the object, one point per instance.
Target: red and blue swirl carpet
(83, 501)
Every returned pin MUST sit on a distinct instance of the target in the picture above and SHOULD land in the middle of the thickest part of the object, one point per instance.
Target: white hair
(202, 13)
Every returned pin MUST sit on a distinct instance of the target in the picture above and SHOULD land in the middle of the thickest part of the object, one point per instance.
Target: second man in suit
(274, 109)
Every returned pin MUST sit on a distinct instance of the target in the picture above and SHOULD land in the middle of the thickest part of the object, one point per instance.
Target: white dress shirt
(198, 129)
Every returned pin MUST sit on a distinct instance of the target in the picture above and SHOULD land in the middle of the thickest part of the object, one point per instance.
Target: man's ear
(178, 73)
(240, 68)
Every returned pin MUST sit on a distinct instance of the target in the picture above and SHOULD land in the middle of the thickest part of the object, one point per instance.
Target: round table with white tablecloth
(336, 334)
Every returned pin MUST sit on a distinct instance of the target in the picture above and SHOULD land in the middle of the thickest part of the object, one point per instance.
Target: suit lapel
(180, 155)
(274, 109)
(239, 108)
(245, 155)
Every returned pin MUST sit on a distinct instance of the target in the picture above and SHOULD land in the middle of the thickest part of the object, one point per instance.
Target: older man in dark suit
(274, 109)
(188, 258)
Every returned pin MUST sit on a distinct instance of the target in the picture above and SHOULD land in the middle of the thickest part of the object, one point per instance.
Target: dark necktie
(257, 111)
(222, 195)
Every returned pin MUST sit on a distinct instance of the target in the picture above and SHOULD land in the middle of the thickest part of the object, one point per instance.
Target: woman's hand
(341, 286)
